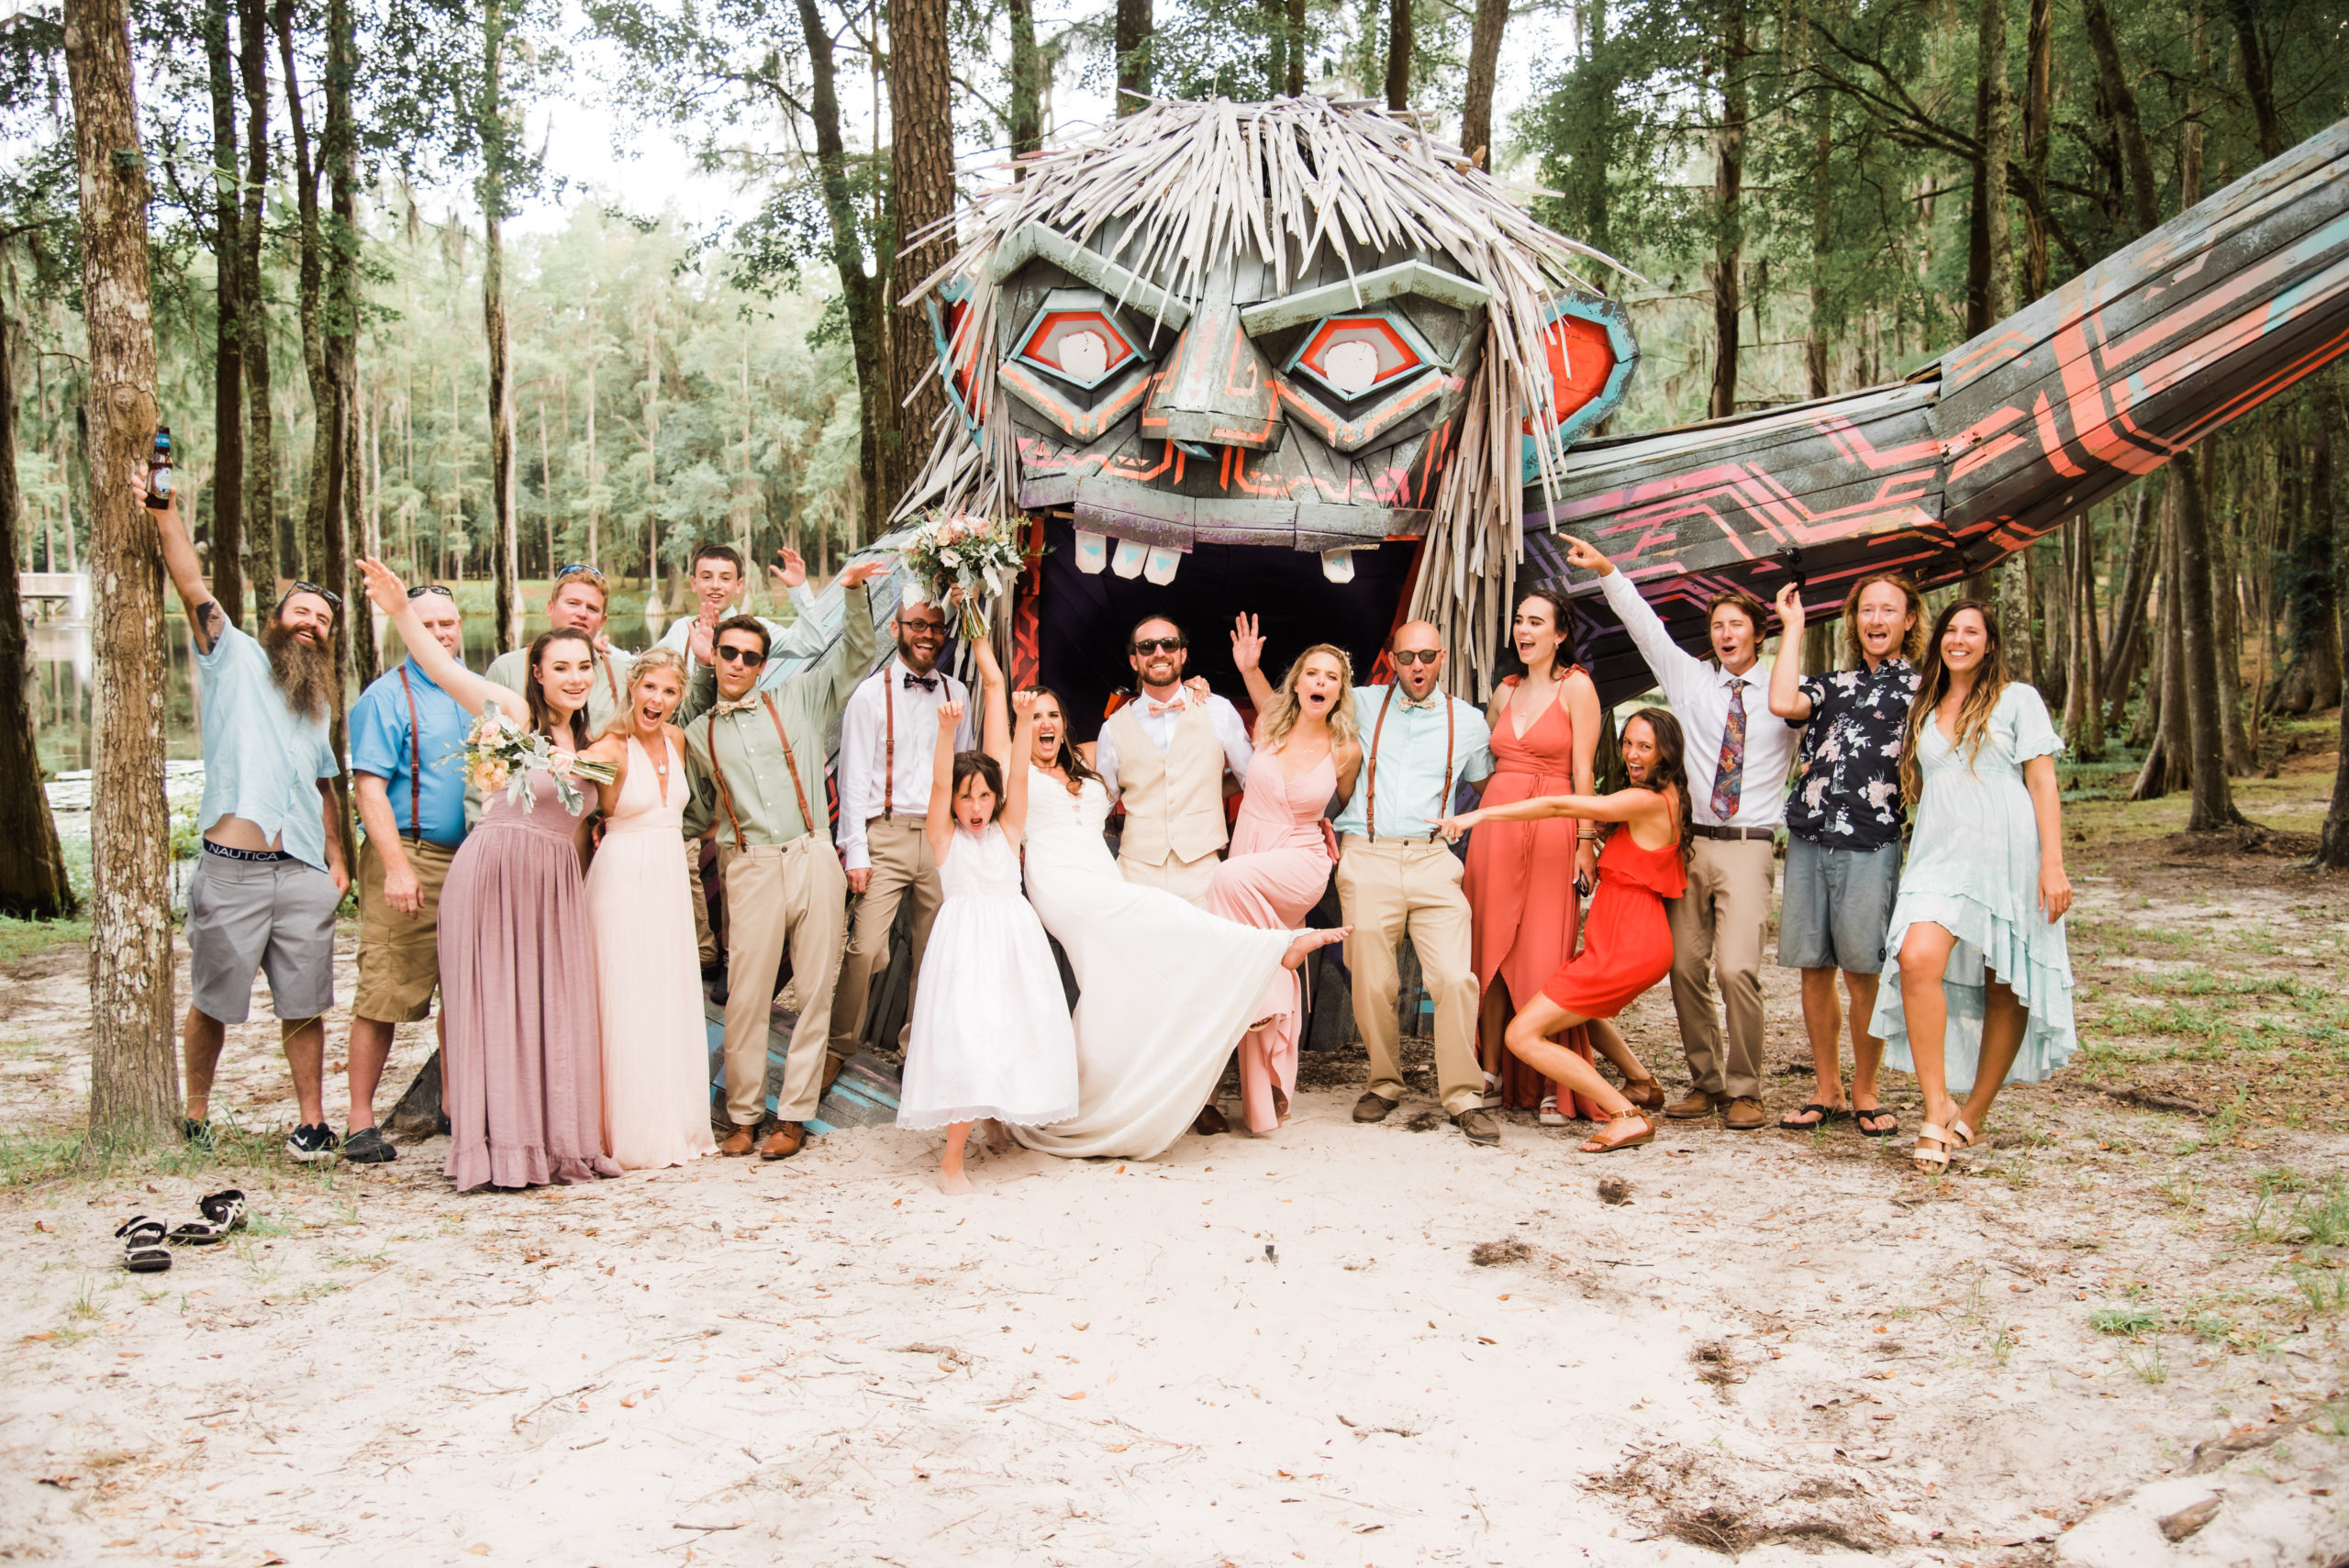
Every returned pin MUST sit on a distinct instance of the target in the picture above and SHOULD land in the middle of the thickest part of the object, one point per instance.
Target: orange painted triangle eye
(1353, 355)
(1080, 346)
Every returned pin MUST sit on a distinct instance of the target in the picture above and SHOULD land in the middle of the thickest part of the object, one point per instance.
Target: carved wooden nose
(1217, 390)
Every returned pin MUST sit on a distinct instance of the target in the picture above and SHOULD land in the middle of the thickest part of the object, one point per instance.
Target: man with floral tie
(1738, 757)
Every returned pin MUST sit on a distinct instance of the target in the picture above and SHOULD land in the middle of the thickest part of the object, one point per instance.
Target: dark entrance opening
(1083, 620)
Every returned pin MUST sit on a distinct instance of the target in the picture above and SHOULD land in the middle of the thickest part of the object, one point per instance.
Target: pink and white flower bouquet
(500, 753)
(967, 561)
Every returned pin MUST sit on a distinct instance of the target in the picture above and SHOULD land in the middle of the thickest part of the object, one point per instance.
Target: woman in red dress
(1521, 876)
(1628, 945)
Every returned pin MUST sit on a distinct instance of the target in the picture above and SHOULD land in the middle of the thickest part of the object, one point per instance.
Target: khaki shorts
(399, 955)
(275, 916)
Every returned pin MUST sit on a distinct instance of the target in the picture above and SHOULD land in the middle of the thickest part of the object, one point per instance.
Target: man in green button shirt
(755, 759)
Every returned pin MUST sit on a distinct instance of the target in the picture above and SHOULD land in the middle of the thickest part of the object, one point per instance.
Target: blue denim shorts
(1837, 906)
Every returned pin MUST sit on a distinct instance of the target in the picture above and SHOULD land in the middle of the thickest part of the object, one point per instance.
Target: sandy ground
(1344, 1345)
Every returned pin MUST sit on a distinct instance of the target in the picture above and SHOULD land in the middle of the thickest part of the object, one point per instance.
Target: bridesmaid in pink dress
(1282, 848)
(1521, 875)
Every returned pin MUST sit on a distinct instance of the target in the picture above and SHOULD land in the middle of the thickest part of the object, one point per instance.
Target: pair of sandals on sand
(1885, 1123)
(143, 1238)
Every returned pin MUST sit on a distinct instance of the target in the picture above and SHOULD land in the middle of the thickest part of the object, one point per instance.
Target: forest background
(358, 351)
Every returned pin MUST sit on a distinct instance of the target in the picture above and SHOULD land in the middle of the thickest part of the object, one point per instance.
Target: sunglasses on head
(1160, 644)
(329, 595)
(579, 569)
(1409, 656)
(727, 653)
(423, 588)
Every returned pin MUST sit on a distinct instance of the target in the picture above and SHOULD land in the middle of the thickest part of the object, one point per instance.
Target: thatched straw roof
(1170, 191)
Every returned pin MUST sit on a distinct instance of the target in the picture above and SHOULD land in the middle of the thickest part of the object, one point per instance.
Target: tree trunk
(2213, 803)
(2038, 126)
(1987, 263)
(921, 194)
(2129, 646)
(1398, 54)
(263, 558)
(2332, 847)
(341, 153)
(1133, 44)
(1822, 240)
(2258, 77)
(226, 536)
(1295, 84)
(33, 883)
(1484, 67)
(1027, 127)
(2083, 710)
(1728, 179)
(2129, 130)
(504, 547)
(134, 1074)
(2312, 679)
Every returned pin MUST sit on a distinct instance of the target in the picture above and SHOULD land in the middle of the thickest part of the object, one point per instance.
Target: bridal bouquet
(978, 556)
(499, 755)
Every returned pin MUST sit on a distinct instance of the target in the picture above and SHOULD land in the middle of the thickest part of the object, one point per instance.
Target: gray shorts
(1838, 904)
(273, 916)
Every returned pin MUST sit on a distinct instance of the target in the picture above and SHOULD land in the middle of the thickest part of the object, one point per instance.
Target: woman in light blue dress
(1980, 991)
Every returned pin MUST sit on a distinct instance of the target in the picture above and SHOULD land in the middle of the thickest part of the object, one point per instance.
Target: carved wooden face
(1315, 417)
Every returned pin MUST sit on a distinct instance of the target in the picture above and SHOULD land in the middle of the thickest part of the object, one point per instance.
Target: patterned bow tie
(1154, 708)
(739, 705)
(1433, 699)
(927, 683)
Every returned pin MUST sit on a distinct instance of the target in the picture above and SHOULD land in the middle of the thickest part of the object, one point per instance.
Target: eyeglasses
(329, 595)
(729, 654)
(1160, 644)
(1407, 657)
(923, 629)
(423, 588)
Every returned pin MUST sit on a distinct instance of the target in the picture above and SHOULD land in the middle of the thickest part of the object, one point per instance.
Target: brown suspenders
(415, 764)
(726, 797)
(1370, 784)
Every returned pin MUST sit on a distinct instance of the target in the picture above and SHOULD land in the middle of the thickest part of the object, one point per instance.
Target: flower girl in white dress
(991, 1033)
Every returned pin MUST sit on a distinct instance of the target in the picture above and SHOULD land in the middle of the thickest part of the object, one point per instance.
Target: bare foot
(953, 1183)
(1308, 941)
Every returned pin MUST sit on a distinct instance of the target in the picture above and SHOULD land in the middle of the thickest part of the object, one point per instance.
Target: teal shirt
(1409, 776)
(262, 761)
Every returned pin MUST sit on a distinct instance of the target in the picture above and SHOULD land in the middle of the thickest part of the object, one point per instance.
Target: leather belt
(1705, 830)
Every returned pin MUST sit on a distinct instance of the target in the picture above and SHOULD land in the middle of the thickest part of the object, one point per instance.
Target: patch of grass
(2183, 1188)
(2129, 1321)
(2211, 1327)
(2318, 1215)
(2150, 1364)
(29, 1159)
(2325, 1290)
(21, 940)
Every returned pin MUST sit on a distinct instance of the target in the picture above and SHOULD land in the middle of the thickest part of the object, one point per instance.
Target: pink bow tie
(1157, 707)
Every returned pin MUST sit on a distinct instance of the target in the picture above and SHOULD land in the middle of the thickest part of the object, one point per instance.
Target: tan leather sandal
(1603, 1144)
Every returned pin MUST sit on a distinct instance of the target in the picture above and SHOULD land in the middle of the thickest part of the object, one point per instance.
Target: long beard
(304, 672)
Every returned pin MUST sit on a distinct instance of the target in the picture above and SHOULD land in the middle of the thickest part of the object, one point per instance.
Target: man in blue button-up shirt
(406, 741)
(1396, 878)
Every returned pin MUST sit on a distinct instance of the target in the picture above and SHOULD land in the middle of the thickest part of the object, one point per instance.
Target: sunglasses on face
(329, 595)
(1160, 644)
(729, 654)
(1407, 657)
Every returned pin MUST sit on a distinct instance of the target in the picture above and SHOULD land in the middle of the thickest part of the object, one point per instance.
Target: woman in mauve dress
(1282, 848)
(1521, 876)
(521, 1068)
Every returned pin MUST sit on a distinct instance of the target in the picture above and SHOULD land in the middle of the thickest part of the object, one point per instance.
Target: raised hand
(1247, 643)
(1788, 604)
(1588, 556)
(950, 714)
(699, 642)
(983, 654)
(383, 586)
(1023, 705)
(862, 572)
(793, 572)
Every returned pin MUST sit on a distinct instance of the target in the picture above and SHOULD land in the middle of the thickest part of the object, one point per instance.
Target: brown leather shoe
(1479, 1126)
(832, 1066)
(1373, 1106)
(1645, 1093)
(783, 1141)
(738, 1141)
(1210, 1122)
(1699, 1103)
(1745, 1114)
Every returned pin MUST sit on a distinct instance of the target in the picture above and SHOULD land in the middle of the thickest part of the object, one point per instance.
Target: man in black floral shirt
(1843, 829)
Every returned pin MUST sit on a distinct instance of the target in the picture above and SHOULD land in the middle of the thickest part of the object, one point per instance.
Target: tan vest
(1174, 800)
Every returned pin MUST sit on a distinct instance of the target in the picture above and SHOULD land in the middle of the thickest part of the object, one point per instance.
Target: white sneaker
(1550, 1117)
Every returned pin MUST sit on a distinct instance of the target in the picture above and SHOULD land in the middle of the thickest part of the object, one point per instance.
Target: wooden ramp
(864, 1094)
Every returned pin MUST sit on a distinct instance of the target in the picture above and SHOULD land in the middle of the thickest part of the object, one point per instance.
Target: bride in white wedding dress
(1166, 990)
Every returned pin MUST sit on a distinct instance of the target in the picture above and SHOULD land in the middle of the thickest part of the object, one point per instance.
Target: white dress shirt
(1698, 692)
(865, 744)
(1158, 721)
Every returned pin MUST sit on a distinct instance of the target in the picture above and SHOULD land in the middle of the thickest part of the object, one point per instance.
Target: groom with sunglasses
(1163, 756)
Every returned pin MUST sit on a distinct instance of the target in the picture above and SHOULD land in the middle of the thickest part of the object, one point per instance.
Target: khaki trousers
(1717, 930)
(702, 937)
(1387, 890)
(902, 865)
(1186, 879)
(778, 896)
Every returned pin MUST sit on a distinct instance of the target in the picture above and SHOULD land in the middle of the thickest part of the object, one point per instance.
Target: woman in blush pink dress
(1282, 850)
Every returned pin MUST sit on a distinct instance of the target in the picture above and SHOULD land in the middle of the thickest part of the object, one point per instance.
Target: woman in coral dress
(641, 916)
(1307, 755)
(1520, 877)
(1628, 946)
